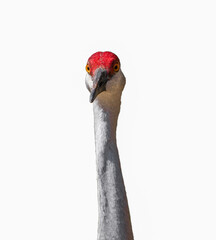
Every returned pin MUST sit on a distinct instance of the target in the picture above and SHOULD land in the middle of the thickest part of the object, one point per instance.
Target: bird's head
(104, 76)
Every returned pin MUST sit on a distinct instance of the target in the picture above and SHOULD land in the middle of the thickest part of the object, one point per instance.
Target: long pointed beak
(99, 83)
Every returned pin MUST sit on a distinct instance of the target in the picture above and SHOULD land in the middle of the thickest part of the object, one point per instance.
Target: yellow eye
(87, 68)
(116, 67)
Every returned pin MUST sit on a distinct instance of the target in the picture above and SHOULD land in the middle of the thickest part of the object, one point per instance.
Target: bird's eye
(116, 67)
(87, 68)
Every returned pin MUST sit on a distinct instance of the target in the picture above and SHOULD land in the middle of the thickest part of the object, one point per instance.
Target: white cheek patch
(89, 82)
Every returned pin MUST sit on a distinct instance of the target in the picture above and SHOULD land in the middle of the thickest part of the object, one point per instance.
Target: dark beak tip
(100, 81)
(92, 96)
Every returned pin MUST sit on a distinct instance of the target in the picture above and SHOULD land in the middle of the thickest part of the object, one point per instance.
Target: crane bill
(99, 81)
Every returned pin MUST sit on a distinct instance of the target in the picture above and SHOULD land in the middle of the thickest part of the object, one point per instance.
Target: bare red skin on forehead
(104, 60)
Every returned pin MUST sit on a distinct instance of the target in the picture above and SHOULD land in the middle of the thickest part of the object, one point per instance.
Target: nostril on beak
(100, 84)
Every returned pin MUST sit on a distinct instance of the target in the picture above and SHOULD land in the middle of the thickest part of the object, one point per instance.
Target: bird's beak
(99, 83)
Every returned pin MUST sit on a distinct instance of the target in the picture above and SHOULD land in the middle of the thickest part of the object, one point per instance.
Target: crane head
(104, 75)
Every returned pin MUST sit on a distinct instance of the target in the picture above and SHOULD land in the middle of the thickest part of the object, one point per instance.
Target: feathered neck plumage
(114, 218)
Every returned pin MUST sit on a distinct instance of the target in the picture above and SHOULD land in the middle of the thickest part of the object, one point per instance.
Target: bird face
(104, 75)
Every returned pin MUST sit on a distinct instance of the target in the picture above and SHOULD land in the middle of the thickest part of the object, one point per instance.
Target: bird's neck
(114, 217)
(105, 123)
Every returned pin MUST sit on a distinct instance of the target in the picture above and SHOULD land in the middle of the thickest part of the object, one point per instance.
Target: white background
(167, 124)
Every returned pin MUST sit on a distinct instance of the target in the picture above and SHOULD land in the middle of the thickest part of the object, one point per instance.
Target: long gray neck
(114, 217)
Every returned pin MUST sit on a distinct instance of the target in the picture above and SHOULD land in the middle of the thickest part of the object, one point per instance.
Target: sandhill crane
(105, 81)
